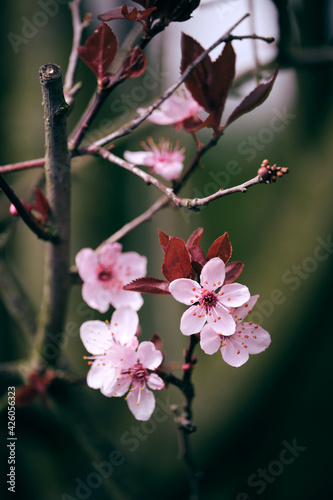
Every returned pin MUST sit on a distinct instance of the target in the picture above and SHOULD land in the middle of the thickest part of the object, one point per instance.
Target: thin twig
(133, 124)
(16, 301)
(200, 202)
(22, 165)
(78, 26)
(47, 234)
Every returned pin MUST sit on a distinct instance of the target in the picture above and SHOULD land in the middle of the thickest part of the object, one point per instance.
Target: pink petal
(149, 356)
(213, 274)
(126, 298)
(210, 341)
(99, 372)
(146, 158)
(241, 312)
(124, 324)
(131, 266)
(141, 402)
(87, 262)
(253, 336)
(96, 337)
(168, 170)
(96, 296)
(117, 387)
(185, 290)
(192, 320)
(109, 253)
(234, 295)
(221, 321)
(155, 382)
(234, 353)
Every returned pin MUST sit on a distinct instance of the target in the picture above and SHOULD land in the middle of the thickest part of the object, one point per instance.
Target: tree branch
(16, 302)
(22, 165)
(78, 26)
(57, 175)
(46, 233)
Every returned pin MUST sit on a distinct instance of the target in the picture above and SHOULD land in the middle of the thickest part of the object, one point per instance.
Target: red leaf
(220, 248)
(252, 100)
(157, 341)
(198, 81)
(223, 74)
(232, 271)
(135, 64)
(176, 262)
(148, 285)
(129, 13)
(41, 204)
(100, 50)
(198, 259)
(195, 238)
(164, 239)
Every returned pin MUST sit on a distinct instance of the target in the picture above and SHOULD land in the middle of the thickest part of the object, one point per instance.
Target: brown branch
(57, 176)
(16, 301)
(133, 124)
(47, 233)
(199, 202)
(78, 26)
(22, 165)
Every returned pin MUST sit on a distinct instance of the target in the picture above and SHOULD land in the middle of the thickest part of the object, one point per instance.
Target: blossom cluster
(217, 308)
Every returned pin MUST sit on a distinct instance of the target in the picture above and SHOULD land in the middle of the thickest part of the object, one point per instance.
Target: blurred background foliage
(243, 415)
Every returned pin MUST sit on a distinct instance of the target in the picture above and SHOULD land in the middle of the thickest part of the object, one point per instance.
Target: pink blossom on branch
(134, 375)
(247, 339)
(100, 338)
(163, 159)
(175, 110)
(105, 273)
(210, 301)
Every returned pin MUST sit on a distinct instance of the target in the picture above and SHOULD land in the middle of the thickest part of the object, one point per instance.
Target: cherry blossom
(175, 110)
(134, 376)
(105, 273)
(210, 301)
(163, 159)
(247, 339)
(100, 338)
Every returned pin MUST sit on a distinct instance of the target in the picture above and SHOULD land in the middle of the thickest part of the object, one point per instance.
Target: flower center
(208, 299)
(104, 273)
(138, 373)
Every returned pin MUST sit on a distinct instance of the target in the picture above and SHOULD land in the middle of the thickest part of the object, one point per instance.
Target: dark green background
(244, 416)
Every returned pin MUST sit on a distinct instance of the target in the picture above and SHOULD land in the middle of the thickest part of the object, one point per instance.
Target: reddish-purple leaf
(176, 262)
(164, 239)
(157, 341)
(223, 73)
(254, 99)
(198, 258)
(220, 248)
(135, 64)
(41, 204)
(232, 271)
(129, 13)
(100, 50)
(148, 285)
(198, 82)
(195, 238)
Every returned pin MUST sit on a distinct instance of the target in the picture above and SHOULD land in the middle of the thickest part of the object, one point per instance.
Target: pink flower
(105, 273)
(175, 110)
(210, 301)
(162, 158)
(134, 375)
(247, 339)
(100, 338)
